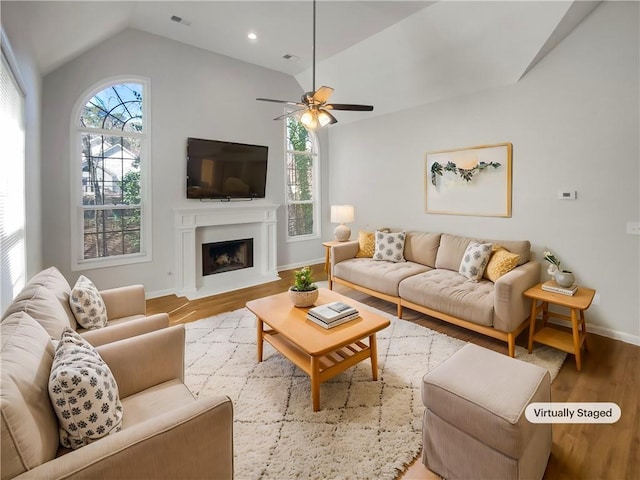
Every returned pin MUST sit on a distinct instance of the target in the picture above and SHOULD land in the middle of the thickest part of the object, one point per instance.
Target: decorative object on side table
(342, 214)
(304, 292)
(564, 278)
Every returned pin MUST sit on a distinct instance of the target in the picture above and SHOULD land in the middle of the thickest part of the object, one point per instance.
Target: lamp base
(342, 233)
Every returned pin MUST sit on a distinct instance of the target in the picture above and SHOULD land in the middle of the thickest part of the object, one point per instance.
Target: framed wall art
(469, 181)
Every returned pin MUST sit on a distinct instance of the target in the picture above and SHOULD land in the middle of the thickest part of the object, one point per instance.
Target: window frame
(315, 194)
(78, 262)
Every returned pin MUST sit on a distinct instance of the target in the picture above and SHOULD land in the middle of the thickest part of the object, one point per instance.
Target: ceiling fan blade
(321, 95)
(349, 106)
(289, 114)
(297, 104)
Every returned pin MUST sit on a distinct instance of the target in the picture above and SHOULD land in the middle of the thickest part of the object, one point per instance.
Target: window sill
(110, 262)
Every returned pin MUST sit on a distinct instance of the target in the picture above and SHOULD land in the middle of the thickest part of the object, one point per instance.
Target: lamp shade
(342, 214)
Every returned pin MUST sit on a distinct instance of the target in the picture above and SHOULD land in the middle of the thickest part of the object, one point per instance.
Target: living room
(570, 112)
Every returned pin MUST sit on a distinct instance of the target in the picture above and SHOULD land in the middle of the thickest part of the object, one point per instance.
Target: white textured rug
(365, 429)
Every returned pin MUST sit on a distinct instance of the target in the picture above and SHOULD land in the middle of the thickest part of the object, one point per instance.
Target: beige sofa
(166, 433)
(429, 282)
(46, 299)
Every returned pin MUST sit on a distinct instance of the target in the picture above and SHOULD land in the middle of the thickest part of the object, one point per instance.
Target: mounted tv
(225, 170)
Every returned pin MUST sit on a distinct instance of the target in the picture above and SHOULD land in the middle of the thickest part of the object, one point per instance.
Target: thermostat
(567, 194)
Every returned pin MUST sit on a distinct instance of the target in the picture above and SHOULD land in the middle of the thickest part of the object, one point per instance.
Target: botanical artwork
(470, 181)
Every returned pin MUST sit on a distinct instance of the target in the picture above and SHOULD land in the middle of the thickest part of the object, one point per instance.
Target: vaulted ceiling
(392, 54)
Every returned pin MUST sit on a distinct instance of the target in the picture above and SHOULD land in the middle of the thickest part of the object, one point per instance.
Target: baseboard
(160, 293)
(602, 331)
(300, 264)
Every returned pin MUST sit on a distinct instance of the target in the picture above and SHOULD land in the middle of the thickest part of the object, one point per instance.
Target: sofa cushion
(389, 246)
(451, 293)
(29, 426)
(421, 247)
(366, 244)
(451, 251)
(382, 277)
(475, 260)
(57, 313)
(83, 392)
(519, 247)
(87, 304)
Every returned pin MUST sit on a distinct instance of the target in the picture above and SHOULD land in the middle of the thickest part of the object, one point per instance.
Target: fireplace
(219, 257)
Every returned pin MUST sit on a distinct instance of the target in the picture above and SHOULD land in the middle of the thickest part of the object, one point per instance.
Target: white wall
(194, 93)
(573, 121)
(31, 80)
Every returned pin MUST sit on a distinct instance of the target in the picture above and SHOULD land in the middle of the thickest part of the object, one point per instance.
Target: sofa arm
(124, 301)
(193, 441)
(511, 308)
(343, 251)
(128, 329)
(147, 360)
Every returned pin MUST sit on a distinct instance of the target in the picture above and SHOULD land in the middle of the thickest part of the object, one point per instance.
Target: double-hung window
(302, 181)
(111, 220)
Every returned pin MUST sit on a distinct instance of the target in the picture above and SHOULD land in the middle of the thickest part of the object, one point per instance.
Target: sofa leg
(399, 311)
(512, 344)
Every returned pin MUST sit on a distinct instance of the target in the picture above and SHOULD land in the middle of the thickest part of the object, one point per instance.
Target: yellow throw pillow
(502, 261)
(366, 245)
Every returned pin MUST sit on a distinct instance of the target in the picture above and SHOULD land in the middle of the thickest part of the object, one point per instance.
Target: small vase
(303, 299)
(564, 278)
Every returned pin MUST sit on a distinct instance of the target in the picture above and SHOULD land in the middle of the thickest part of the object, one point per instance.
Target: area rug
(365, 429)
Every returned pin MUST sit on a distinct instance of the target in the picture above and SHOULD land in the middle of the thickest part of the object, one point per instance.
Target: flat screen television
(225, 170)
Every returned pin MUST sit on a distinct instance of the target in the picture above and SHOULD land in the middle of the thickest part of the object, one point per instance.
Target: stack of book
(552, 286)
(332, 314)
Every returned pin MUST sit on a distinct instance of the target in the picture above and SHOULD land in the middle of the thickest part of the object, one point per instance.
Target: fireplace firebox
(219, 257)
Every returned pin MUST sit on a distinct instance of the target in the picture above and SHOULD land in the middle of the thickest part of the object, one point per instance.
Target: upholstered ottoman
(474, 425)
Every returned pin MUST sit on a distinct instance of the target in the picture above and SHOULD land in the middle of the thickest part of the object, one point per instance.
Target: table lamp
(342, 214)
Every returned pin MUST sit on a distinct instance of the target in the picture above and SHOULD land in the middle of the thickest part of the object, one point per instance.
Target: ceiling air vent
(291, 57)
(180, 20)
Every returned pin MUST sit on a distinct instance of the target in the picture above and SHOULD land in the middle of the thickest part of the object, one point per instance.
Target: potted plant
(304, 292)
(564, 278)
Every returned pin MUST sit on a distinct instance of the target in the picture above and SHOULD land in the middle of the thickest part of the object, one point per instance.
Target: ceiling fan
(314, 110)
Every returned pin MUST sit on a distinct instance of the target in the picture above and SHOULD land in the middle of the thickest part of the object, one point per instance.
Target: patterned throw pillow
(366, 244)
(390, 247)
(502, 261)
(83, 392)
(475, 260)
(87, 304)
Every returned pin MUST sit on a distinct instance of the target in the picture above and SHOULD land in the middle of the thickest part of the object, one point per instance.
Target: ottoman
(474, 424)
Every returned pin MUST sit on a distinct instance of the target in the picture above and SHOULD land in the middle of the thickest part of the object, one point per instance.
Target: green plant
(303, 280)
(553, 260)
(465, 173)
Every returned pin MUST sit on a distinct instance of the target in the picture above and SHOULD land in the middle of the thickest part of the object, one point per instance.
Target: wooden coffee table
(320, 353)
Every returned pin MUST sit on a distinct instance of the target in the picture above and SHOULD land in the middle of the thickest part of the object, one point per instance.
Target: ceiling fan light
(324, 118)
(309, 119)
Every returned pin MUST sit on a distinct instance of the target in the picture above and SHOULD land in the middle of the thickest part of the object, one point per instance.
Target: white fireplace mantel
(259, 219)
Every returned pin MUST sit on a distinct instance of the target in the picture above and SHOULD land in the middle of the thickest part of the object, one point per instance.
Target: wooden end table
(320, 353)
(327, 257)
(548, 335)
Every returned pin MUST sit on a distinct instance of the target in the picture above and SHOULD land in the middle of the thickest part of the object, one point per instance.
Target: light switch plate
(633, 228)
(567, 195)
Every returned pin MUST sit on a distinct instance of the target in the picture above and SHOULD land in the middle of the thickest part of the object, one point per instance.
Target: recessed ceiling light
(252, 36)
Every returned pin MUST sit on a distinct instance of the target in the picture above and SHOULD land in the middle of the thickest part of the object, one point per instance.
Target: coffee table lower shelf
(324, 367)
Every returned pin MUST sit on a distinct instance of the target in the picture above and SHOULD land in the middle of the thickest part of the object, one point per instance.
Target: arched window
(302, 181)
(111, 218)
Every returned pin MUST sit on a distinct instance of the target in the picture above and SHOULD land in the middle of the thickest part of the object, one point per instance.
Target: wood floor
(610, 373)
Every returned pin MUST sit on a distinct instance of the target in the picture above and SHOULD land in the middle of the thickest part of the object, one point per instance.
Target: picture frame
(473, 181)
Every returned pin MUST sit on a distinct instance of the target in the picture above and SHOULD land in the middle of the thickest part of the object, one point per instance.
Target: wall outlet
(567, 195)
(596, 299)
(633, 228)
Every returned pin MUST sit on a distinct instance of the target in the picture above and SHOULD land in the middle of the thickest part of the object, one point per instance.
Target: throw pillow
(390, 246)
(87, 304)
(502, 261)
(83, 392)
(475, 260)
(366, 244)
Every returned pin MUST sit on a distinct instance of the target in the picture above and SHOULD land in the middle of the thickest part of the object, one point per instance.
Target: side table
(553, 337)
(327, 258)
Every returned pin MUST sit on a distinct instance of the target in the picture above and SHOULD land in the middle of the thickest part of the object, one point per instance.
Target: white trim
(602, 331)
(10, 57)
(77, 262)
(306, 263)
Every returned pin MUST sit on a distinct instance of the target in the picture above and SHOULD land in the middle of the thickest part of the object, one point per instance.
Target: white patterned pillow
(83, 392)
(87, 304)
(389, 247)
(475, 260)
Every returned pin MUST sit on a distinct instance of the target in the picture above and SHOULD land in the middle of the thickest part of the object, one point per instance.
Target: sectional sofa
(429, 281)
